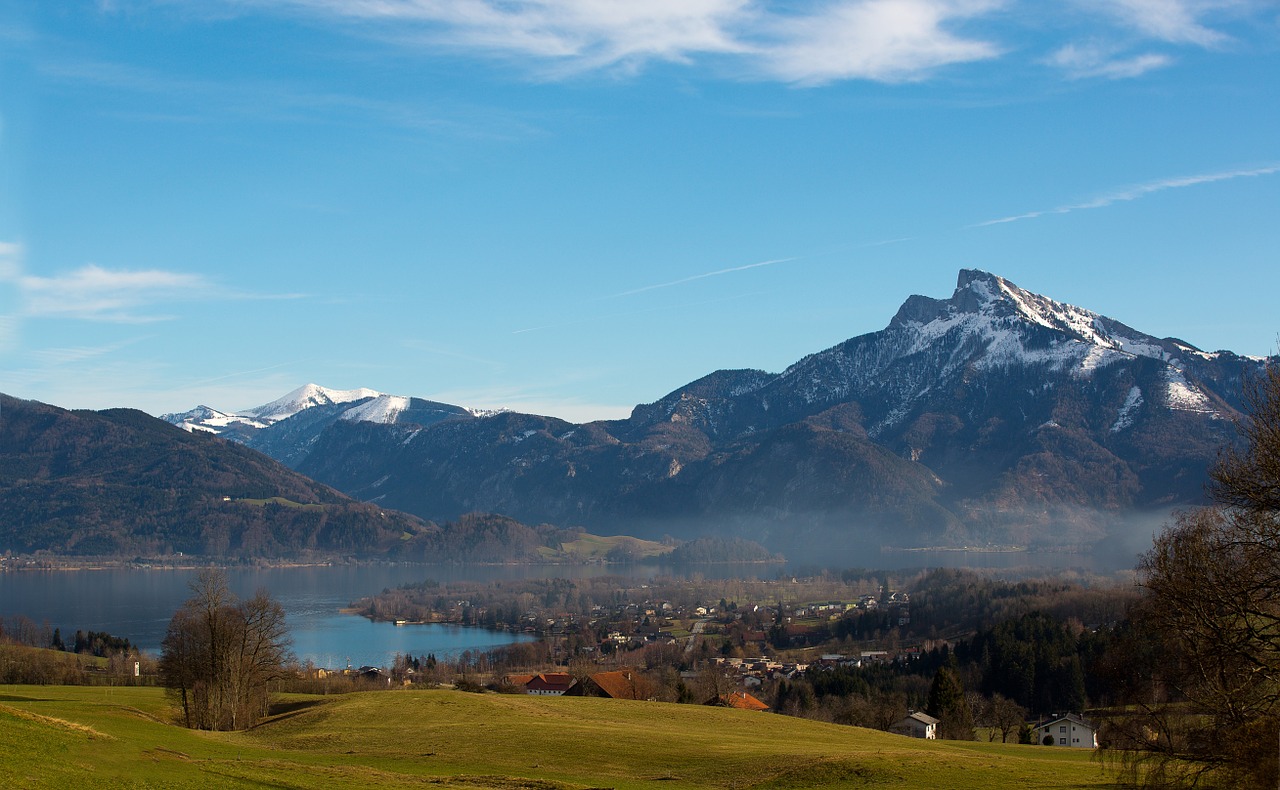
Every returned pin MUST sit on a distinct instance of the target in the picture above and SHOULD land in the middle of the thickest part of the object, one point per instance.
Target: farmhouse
(620, 684)
(918, 725)
(550, 684)
(738, 699)
(1070, 730)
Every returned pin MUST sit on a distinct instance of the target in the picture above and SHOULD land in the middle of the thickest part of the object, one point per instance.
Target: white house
(918, 725)
(1069, 730)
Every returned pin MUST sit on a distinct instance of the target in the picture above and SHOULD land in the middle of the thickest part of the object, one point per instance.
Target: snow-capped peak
(995, 309)
(305, 397)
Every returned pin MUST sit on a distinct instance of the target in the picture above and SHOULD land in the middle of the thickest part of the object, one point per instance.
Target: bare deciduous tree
(1213, 598)
(220, 654)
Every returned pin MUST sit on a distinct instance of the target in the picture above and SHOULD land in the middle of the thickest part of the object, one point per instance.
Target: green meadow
(69, 736)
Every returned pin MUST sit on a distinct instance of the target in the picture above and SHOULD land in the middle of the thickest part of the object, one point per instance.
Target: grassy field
(63, 736)
(596, 547)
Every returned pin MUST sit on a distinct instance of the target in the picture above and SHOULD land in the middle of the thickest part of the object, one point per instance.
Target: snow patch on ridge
(384, 409)
(1128, 411)
(1183, 396)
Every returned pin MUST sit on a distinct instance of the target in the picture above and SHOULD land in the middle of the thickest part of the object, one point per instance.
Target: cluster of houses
(615, 684)
(639, 623)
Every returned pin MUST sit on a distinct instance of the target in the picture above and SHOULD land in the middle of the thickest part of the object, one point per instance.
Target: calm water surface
(137, 604)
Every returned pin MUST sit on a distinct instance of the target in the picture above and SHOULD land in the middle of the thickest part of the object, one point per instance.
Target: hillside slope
(57, 736)
(120, 482)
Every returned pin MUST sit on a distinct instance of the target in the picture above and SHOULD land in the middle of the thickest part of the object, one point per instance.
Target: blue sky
(573, 207)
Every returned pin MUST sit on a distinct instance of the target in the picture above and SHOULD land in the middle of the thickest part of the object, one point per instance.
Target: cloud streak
(1092, 61)
(1136, 192)
(702, 276)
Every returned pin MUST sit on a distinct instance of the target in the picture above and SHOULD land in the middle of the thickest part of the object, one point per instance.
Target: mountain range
(995, 416)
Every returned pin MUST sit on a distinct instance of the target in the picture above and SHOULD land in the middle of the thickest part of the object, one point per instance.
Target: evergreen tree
(948, 704)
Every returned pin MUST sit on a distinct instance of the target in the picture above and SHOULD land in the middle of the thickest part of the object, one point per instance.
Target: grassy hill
(61, 736)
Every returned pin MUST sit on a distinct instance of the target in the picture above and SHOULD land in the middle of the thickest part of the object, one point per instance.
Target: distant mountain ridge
(286, 427)
(122, 483)
(996, 415)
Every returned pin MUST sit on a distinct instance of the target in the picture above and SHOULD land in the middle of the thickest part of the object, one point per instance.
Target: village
(678, 642)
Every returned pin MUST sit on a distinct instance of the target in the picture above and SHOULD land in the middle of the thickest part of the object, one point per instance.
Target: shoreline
(48, 563)
(960, 549)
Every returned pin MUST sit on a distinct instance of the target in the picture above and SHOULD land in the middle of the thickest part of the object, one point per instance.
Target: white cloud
(887, 40)
(801, 43)
(1087, 61)
(883, 40)
(1139, 191)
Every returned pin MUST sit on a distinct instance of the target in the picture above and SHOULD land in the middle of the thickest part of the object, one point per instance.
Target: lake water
(137, 604)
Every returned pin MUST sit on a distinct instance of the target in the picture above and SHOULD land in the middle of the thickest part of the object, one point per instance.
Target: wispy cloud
(1092, 60)
(576, 34)
(1171, 21)
(1135, 192)
(441, 350)
(212, 101)
(803, 44)
(97, 294)
(50, 357)
(703, 276)
(1122, 32)
(242, 373)
(883, 40)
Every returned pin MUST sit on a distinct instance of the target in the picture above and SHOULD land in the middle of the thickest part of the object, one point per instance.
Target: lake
(137, 604)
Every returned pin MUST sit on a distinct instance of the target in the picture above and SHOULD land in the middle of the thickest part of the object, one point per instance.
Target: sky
(569, 208)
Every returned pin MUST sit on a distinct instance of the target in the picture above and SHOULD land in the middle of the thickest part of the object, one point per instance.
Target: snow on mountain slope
(987, 325)
(305, 397)
(204, 418)
(999, 315)
(382, 409)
